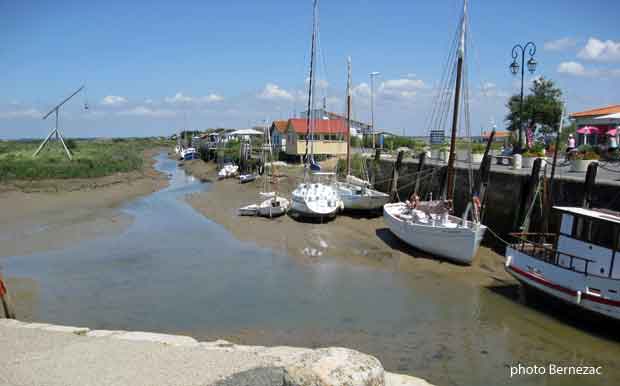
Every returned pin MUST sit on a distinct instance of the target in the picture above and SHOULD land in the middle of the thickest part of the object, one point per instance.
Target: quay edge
(41, 353)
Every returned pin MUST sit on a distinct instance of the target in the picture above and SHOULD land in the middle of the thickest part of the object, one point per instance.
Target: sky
(154, 67)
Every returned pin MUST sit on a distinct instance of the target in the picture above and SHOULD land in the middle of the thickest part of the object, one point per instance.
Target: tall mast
(348, 116)
(457, 104)
(311, 82)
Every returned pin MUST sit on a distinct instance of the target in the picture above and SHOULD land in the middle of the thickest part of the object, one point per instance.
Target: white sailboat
(357, 194)
(273, 205)
(316, 196)
(428, 226)
(227, 171)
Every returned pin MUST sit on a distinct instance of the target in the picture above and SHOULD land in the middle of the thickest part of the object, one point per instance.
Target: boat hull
(315, 201)
(597, 294)
(361, 199)
(456, 243)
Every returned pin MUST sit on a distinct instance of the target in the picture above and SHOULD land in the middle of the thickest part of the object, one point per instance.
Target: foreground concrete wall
(45, 354)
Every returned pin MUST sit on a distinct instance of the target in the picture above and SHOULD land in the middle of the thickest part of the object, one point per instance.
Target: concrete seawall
(46, 354)
(504, 194)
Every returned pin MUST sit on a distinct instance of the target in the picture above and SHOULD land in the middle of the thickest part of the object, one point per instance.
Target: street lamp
(372, 105)
(514, 68)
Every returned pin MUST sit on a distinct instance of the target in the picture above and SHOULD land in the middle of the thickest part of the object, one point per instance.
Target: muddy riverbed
(187, 264)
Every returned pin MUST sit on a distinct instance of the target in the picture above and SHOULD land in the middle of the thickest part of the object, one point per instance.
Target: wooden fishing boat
(428, 225)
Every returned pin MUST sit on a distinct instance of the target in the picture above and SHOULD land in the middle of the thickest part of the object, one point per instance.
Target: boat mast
(349, 116)
(457, 104)
(311, 82)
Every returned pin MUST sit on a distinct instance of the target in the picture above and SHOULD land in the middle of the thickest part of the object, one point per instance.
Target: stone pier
(51, 355)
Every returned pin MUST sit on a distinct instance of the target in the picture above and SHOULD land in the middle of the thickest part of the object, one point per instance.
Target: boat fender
(578, 297)
(508, 261)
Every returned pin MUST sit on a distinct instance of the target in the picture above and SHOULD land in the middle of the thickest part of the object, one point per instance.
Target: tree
(541, 108)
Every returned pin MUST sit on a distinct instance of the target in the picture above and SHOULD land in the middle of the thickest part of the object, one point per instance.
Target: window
(594, 232)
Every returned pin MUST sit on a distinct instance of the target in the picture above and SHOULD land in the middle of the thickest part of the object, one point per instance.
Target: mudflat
(350, 237)
(50, 214)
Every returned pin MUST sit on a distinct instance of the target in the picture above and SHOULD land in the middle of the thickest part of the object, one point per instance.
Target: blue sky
(151, 66)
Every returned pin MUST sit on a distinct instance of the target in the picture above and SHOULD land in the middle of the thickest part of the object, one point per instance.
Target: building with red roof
(328, 137)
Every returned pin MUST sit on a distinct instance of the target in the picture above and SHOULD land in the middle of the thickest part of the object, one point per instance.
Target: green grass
(91, 158)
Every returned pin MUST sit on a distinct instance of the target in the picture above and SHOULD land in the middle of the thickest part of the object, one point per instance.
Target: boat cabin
(587, 242)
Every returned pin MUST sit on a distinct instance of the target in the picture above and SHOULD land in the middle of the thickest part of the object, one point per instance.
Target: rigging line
(443, 97)
(439, 89)
(431, 118)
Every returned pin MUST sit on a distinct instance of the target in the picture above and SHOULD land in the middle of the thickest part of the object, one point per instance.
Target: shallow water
(175, 271)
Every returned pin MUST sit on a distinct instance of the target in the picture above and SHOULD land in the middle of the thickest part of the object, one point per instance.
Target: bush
(478, 148)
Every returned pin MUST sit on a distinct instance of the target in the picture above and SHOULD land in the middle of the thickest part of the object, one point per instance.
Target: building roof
(613, 109)
(280, 125)
(498, 134)
(320, 126)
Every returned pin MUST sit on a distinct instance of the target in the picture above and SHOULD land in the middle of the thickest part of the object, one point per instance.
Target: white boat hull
(360, 198)
(315, 200)
(449, 240)
(273, 207)
(228, 171)
(243, 178)
(594, 293)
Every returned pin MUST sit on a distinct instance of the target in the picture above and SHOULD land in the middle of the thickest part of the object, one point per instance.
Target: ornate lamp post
(519, 50)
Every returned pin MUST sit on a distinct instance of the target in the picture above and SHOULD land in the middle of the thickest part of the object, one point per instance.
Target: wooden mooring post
(484, 175)
(7, 310)
(395, 173)
(375, 166)
(530, 194)
(589, 185)
(421, 163)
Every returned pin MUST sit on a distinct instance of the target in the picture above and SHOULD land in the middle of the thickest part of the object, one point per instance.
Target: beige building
(329, 136)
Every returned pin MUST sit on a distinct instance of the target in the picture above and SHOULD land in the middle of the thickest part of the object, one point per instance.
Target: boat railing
(540, 246)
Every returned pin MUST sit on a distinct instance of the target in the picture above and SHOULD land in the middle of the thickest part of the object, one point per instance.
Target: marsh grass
(91, 158)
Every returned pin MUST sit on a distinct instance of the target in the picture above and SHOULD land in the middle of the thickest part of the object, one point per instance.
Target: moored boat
(312, 197)
(576, 264)
(357, 194)
(229, 170)
(428, 225)
(316, 199)
(442, 235)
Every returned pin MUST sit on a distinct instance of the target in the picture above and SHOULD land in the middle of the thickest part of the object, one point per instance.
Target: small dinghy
(244, 178)
(190, 154)
(229, 170)
(273, 207)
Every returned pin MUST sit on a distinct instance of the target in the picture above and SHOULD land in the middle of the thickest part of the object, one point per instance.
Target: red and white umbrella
(589, 130)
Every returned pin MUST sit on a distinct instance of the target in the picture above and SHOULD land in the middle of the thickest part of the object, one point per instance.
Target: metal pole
(516, 50)
(521, 101)
(372, 105)
(372, 109)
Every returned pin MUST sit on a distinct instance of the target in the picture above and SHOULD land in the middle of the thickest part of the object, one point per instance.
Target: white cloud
(361, 90)
(148, 112)
(273, 92)
(598, 50)
(213, 98)
(179, 98)
(572, 68)
(560, 44)
(21, 113)
(404, 88)
(113, 100)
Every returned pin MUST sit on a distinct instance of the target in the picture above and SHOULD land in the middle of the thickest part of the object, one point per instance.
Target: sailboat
(356, 193)
(314, 197)
(273, 205)
(429, 226)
